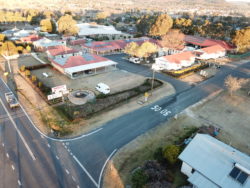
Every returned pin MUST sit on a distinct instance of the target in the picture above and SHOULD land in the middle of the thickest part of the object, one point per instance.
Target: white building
(44, 43)
(175, 61)
(83, 65)
(209, 163)
(86, 29)
(211, 52)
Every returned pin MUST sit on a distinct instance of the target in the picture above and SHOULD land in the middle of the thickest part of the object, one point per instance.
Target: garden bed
(104, 102)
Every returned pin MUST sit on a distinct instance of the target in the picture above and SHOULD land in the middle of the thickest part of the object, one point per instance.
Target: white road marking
(48, 145)
(12, 166)
(3, 144)
(103, 167)
(84, 169)
(7, 155)
(19, 182)
(57, 157)
(38, 130)
(21, 136)
(77, 186)
(73, 178)
(164, 112)
(41, 136)
(66, 170)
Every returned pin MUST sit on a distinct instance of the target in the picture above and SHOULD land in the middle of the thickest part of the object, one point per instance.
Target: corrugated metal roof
(200, 181)
(215, 160)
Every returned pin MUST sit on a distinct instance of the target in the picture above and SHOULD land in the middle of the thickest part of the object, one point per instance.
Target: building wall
(174, 66)
(58, 68)
(212, 56)
(186, 169)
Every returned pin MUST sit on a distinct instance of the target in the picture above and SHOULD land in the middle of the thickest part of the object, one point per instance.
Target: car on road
(103, 88)
(11, 99)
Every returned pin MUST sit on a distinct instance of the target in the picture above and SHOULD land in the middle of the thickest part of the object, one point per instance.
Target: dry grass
(142, 148)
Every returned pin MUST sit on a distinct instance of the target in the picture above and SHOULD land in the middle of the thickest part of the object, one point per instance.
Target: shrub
(139, 179)
(22, 68)
(40, 84)
(33, 78)
(158, 155)
(27, 73)
(171, 153)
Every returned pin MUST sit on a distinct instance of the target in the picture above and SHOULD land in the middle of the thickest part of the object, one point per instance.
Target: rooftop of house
(212, 49)
(216, 164)
(204, 42)
(60, 50)
(79, 60)
(31, 38)
(179, 57)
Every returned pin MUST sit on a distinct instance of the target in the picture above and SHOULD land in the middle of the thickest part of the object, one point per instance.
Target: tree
(27, 73)
(28, 48)
(9, 48)
(233, 83)
(131, 48)
(139, 178)
(33, 78)
(174, 39)
(171, 153)
(22, 68)
(102, 15)
(146, 49)
(46, 25)
(242, 39)
(144, 24)
(2, 37)
(161, 26)
(67, 25)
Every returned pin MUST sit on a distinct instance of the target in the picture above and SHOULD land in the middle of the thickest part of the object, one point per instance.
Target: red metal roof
(60, 50)
(79, 60)
(204, 42)
(77, 42)
(213, 49)
(177, 58)
(30, 38)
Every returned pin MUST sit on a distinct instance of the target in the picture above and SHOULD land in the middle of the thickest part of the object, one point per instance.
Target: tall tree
(46, 25)
(242, 39)
(233, 83)
(161, 26)
(8, 48)
(144, 24)
(174, 39)
(67, 25)
(131, 48)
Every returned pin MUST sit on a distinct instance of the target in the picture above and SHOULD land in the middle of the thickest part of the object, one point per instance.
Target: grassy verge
(143, 148)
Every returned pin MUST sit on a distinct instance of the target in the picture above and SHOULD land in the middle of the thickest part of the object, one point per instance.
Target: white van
(135, 60)
(103, 88)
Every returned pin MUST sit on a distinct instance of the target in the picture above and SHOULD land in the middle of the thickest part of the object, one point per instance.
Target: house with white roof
(211, 52)
(210, 163)
(44, 43)
(83, 65)
(175, 61)
(88, 29)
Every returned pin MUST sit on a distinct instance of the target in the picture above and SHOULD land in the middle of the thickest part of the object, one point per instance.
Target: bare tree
(234, 83)
(174, 39)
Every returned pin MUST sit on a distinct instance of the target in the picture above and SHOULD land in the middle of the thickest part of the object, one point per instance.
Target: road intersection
(31, 158)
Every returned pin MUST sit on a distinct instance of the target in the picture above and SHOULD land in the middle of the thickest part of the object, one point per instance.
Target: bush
(171, 153)
(27, 73)
(139, 179)
(33, 78)
(22, 68)
(158, 155)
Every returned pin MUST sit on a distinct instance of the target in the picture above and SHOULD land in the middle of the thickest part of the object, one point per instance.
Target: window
(238, 175)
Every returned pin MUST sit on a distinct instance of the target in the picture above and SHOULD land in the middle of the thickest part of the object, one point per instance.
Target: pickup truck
(11, 99)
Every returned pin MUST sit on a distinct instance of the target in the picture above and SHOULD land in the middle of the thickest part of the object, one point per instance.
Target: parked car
(103, 88)
(136, 60)
(11, 99)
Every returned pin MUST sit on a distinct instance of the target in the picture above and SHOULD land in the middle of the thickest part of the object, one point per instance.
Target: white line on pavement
(7, 155)
(84, 169)
(54, 139)
(73, 178)
(21, 136)
(19, 182)
(57, 157)
(77, 186)
(48, 145)
(100, 176)
(66, 170)
(12, 166)
(3, 144)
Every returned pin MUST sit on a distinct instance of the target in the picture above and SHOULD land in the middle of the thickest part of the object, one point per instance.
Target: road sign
(54, 96)
(59, 89)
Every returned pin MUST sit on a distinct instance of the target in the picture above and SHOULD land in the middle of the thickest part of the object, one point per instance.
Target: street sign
(59, 89)
(54, 96)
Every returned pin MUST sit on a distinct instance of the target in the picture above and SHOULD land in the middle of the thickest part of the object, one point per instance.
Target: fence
(239, 55)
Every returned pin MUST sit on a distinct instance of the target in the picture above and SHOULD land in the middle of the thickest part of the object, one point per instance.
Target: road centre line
(103, 167)
(20, 134)
(7, 155)
(84, 169)
(12, 166)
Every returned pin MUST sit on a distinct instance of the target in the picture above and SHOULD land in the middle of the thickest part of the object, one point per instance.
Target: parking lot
(117, 80)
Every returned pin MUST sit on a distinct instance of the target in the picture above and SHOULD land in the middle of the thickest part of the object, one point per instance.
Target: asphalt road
(82, 160)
